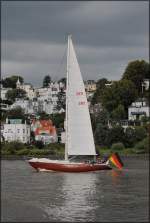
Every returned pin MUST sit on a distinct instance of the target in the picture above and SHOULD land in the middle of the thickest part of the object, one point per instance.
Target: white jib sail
(79, 137)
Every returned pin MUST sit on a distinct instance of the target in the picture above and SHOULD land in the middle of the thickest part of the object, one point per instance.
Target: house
(48, 97)
(16, 130)
(30, 91)
(90, 85)
(4, 92)
(145, 84)
(138, 109)
(44, 131)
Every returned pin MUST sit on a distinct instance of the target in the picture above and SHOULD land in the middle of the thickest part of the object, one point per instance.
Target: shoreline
(18, 157)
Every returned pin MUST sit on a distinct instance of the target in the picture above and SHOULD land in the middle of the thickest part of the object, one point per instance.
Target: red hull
(62, 167)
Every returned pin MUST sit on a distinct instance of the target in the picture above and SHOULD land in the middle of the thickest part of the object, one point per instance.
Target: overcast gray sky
(106, 35)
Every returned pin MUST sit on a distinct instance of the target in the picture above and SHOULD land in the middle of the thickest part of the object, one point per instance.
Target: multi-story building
(48, 97)
(139, 109)
(25, 104)
(30, 91)
(16, 130)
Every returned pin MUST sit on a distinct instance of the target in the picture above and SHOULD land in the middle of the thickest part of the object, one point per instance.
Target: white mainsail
(79, 135)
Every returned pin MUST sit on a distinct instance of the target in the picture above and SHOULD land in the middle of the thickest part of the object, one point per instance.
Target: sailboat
(79, 135)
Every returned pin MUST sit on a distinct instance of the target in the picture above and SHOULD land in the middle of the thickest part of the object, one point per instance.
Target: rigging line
(60, 65)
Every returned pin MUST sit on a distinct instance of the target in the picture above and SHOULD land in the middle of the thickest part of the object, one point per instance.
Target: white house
(45, 138)
(48, 97)
(145, 84)
(16, 130)
(26, 105)
(31, 93)
(138, 109)
(90, 85)
(4, 92)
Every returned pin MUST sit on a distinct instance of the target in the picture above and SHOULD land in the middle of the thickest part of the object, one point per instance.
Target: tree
(101, 134)
(130, 137)
(15, 93)
(58, 119)
(119, 113)
(100, 86)
(136, 71)
(121, 92)
(43, 115)
(63, 80)
(46, 81)
(10, 82)
(115, 135)
(140, 133)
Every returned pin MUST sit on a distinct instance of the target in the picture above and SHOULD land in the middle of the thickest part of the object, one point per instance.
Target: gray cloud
(107, 35)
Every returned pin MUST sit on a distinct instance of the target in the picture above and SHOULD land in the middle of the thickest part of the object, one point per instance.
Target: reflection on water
(77, 190)
(103, 196)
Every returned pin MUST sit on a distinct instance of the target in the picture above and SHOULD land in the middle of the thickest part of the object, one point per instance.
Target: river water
(103, 196)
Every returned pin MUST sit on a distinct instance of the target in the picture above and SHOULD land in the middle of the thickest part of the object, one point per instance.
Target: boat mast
(67, 87)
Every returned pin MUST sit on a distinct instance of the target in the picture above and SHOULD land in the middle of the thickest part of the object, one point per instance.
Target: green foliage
(13, 147)
(143, 145)
(117, 146)
(120, 93)
(39, 144)
(36, 151)
(140, 133)
(15, 93)
(136, 71)
(118, 113)
(10, 82)
(100, 86)
(43, 115)
(23, 152)
(58, 119)
(46, 81)
(115, 135)
(100, 118)
(130, 137)
(101, 134)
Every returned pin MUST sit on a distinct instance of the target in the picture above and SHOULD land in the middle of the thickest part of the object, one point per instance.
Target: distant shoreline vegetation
(56, 150)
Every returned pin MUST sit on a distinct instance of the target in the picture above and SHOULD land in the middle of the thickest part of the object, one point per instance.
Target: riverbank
(17, 150)
(25, 157)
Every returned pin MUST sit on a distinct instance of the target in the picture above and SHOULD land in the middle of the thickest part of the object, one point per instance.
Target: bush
(143, 145)
(140, 133)
(115, 135)
(117, 146)
(130, 137)
(34, 152)
(23, 152)
(101, 134)
(14, 146)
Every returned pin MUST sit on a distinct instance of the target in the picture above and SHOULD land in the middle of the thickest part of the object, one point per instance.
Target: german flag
(115, 159)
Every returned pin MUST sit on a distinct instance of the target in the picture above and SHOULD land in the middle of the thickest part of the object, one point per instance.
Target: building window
(23, 130)
(18, 130)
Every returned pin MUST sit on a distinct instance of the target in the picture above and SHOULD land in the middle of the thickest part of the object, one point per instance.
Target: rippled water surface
(103, 196)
